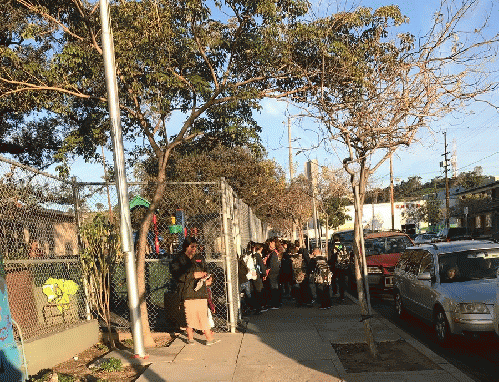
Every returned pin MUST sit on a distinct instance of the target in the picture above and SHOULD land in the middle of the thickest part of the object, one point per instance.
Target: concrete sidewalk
(289, 344)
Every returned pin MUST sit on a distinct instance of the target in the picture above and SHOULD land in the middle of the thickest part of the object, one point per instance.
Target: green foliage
(128, 342)
(255, 179)
(102, 347)
(99, 257)
(41, 377)
(102, 243)
(470, 179)
(65, 377)
(111, 364)
(335, 208)
(430, 211)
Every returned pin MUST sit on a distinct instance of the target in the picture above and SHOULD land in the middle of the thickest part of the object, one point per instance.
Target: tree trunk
(141, 251)
(360, 261)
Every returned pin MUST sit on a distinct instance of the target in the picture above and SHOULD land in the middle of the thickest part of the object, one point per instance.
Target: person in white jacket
(250, 275)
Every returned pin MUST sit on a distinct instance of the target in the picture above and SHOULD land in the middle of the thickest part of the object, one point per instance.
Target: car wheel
(442, 329)
(399, 306)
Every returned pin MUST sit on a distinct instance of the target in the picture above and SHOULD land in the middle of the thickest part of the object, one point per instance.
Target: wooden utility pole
(290, 151)
(391, 192)
(445, 165)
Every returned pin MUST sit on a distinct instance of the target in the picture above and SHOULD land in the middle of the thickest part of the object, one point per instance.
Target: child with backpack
(321, 275)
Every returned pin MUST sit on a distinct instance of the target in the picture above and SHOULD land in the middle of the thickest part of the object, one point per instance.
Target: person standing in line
(251, 276)
(190, 271)
(303, 252)
(299, 273)
(273, 266)
(312, 289)
(286, 275)
(244, 285)
(258, 282)
(322, 278)
(339, 264)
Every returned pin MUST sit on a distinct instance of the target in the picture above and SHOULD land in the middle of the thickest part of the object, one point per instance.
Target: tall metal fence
(211, 212)
(39, 246)
(43, 220)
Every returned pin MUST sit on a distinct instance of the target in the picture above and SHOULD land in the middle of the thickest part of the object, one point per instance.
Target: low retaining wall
(48, 351)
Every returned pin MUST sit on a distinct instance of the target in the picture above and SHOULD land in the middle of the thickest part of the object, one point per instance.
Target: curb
(445, 365)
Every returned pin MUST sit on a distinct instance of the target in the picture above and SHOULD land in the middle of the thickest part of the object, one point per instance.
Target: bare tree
(378, 89)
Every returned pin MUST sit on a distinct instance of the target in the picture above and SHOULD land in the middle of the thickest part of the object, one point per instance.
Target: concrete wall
(383, 215)
(46, 352)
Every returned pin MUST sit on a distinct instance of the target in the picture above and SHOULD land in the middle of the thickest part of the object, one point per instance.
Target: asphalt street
(478, 358)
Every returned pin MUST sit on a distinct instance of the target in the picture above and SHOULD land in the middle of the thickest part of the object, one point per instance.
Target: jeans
(274, 293)
(323, 296)
(246, 288)
(339, 282)
(312, 289)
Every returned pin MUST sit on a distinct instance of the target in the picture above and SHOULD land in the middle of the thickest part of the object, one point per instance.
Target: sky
(472, 135)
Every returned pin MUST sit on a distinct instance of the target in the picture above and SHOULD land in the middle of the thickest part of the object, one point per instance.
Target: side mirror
(425, 276)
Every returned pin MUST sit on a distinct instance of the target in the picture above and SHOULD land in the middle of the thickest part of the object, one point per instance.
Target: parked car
(453, 234)
(425, 238)
(382, 250)
(451, 285)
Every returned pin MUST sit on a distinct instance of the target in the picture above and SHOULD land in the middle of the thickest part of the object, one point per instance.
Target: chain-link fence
(59, 238)
(39, 247)
(208, 211)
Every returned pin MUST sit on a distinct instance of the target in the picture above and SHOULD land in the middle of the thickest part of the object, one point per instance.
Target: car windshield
(389, 244)
(469, 265)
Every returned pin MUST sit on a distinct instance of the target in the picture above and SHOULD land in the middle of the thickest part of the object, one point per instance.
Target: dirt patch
(393, 356)
(77, 370)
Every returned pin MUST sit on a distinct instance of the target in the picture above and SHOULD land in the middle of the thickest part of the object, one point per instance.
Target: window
(469, 265)
(403, 260)
(426, 264)
(488, 221)
(412, 265)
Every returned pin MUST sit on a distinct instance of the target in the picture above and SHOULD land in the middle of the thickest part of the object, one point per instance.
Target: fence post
(228, 265)
(76, 204)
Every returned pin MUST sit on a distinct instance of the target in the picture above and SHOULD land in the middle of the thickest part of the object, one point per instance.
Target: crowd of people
(267, 273)
(271, 271)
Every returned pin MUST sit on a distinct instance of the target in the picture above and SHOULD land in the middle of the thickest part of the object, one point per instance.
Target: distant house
(479, 210)
(30, 231)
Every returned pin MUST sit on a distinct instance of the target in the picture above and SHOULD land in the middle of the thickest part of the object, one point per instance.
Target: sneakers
(191, 342)
(264, 309)
(275, 307)
(213, 341)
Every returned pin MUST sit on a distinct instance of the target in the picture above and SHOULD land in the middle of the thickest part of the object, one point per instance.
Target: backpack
(342, 257)
(322, 272)
(297, 265)
(242, 270)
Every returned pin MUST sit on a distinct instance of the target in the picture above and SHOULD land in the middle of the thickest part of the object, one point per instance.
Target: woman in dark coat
(189, 270)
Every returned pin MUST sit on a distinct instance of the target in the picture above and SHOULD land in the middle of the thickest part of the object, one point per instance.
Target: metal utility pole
(120, 177)
(445, 165)
(391, 192)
